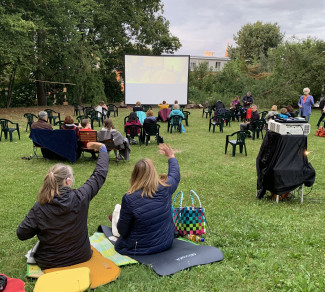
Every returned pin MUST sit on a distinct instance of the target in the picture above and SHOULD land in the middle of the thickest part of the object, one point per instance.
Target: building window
(192, 65)
(218, 65)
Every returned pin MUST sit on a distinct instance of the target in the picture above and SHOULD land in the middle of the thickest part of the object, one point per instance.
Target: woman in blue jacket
(145, 224)
(305, 103)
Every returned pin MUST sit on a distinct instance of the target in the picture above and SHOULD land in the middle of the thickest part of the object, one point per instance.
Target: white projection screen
(152, 79)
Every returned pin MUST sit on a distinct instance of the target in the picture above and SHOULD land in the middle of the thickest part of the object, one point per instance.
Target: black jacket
(61, 226)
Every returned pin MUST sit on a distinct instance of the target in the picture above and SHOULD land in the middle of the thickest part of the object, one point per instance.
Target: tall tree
(254, 40)
(82, 41)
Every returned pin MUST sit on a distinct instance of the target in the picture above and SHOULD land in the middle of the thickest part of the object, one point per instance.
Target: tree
(297, 64)
(16, 46)
(81, 41)
(254, 40)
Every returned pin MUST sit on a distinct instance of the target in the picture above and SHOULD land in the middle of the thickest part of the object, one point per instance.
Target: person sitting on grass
(250, 125)
(59, 217)
(42, 123)
(145, 223)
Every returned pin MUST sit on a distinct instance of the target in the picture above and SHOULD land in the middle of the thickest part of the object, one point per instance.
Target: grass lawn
(267, 246)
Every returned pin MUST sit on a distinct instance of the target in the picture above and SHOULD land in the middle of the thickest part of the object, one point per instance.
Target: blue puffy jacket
(146, 224)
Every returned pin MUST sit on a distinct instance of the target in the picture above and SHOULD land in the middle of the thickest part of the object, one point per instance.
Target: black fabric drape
(282, 165)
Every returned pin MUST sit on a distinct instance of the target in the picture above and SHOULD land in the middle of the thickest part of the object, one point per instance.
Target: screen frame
(188, 73)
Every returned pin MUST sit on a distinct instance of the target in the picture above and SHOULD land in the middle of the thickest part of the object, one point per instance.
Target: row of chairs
(80, 108)
(143, 133)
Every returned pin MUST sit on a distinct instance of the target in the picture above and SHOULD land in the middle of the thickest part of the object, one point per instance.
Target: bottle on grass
(194, 238)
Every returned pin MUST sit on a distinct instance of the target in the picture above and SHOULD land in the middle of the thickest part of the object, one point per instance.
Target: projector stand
(302, 195)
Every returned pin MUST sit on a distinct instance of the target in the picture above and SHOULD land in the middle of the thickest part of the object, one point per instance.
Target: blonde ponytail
(53, 180)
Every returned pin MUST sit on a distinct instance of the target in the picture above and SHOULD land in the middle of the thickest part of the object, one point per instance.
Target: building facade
(216, 63)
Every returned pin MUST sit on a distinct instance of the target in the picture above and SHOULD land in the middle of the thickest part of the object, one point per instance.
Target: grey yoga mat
(182, 255)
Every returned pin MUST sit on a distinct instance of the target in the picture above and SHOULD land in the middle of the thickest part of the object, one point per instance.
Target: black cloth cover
(61, 142)
(281, 164)
(182, 255)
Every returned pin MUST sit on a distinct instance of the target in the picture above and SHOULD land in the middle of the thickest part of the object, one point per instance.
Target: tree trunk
(40, 86)
(40, 89)
(11, 85)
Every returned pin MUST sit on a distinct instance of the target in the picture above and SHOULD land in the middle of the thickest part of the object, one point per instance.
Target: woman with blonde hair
(59, 217)
(109, 132)
(273, 112)
(138, 107)
(145, 224)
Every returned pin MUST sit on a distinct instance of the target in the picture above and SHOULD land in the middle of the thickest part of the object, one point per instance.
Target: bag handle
(181, 199)
(191, 194)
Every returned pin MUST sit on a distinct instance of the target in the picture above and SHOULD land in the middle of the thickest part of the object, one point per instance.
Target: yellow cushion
(71, 280)
(102, 270)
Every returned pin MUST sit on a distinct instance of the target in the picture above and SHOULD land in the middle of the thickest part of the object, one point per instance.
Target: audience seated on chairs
(133, 121)
(273, 112)
(175, 102)
(145, 225)
(176, 112)
(220, 111)
(69, 124)
(163, 105)
(42, 122)
(291, 111)
(60, 215)
(163, 114)
(57, 144)
(138, 107)
(86, 126)
(141, 116)
(248, 114)
(150, 119)
(254, 117)
(219, 104)
(109, 132)
(102, 109)
(284, 113)
(236, 102)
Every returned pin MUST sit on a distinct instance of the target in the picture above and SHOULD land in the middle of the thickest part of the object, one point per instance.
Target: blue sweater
(146, 225)
(306, 107)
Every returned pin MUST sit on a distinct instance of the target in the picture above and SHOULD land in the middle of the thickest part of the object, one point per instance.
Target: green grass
(267, 246)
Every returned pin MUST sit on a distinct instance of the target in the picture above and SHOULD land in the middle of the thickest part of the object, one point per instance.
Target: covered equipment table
(282, 164)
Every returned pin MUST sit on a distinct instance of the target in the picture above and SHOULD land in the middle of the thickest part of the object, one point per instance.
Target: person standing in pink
(305, 103)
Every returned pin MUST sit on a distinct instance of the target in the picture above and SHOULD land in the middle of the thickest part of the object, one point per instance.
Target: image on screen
(152, 79)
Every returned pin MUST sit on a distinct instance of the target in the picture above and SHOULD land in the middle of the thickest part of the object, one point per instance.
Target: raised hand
(166, 150)
(94, 145)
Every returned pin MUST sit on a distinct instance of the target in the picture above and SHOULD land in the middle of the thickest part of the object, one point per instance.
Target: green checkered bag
(189, 220)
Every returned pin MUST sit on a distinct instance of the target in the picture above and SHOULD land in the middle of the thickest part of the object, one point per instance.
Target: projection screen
(152, 79)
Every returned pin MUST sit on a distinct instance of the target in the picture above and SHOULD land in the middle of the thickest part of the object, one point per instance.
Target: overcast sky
(209, 25)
